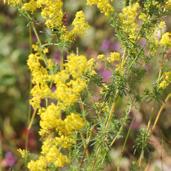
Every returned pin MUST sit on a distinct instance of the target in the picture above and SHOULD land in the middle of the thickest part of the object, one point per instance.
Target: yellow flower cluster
(104, 6)
(128, 20)
(101, 57)
(51, 151)
(50, 10)
(168, 4)
(57, 125)
(143, 16)
(154, 38)
(102, 106)
(23, 153)
(39, 77)
(79, 25)
(30, 6)
(14, 2)
(166, 39)
(166, 80)
(114, 57)
(52, 13)
(111, 58)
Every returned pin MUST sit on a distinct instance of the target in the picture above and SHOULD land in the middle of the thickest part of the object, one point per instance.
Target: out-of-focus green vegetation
(14, 84)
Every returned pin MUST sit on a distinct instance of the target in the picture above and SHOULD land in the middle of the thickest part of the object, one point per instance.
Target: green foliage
(142, 140)
(134, 166)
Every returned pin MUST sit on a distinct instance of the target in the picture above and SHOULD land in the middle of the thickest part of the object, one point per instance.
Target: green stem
(120, 130)
(1, 152)
(140, 158)
(32, 119)
(160, 111)
(109, 117)
(127, 135)
(36, 34)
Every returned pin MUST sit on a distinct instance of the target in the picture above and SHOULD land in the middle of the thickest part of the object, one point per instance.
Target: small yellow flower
(23, 153)
(104, 6)
(166, 80)
(128, 20)
(74, 122)
(14, 2)
(30, 6)
(101, 57)
(52, 12)
(168, 4)
(79, 25)
(114, 57)
(166, 39)
(76, 65)
(38, 165)
(143, 17)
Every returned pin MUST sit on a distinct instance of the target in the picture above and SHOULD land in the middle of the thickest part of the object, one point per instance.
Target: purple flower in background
(53, 88)
(34, 39)
(143, 42)
(106, 75)
(108, 45)
(116, 46)
(9, 159)
(57, 56)
(105, 47)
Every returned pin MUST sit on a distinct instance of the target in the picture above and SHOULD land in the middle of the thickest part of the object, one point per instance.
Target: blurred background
(15, 84)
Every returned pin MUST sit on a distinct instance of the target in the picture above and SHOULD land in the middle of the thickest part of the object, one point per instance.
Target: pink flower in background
(105, 47)
(116, 47)
(143, 42)
(108, 45)
(57, 56)
(106, 74)
(9, 159)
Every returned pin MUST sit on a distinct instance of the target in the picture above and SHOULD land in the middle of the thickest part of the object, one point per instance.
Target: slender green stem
(121, 128)
(109, 117)
(36, 34)
(140, 158)
(32, 119)
(1, 156)
(62, 60)
(30, 86)
(110, 114)
(127, 135)
(160, 111)
(152, 114)
(150, 120)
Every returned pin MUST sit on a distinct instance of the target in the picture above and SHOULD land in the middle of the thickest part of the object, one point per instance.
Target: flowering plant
(79, 111)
